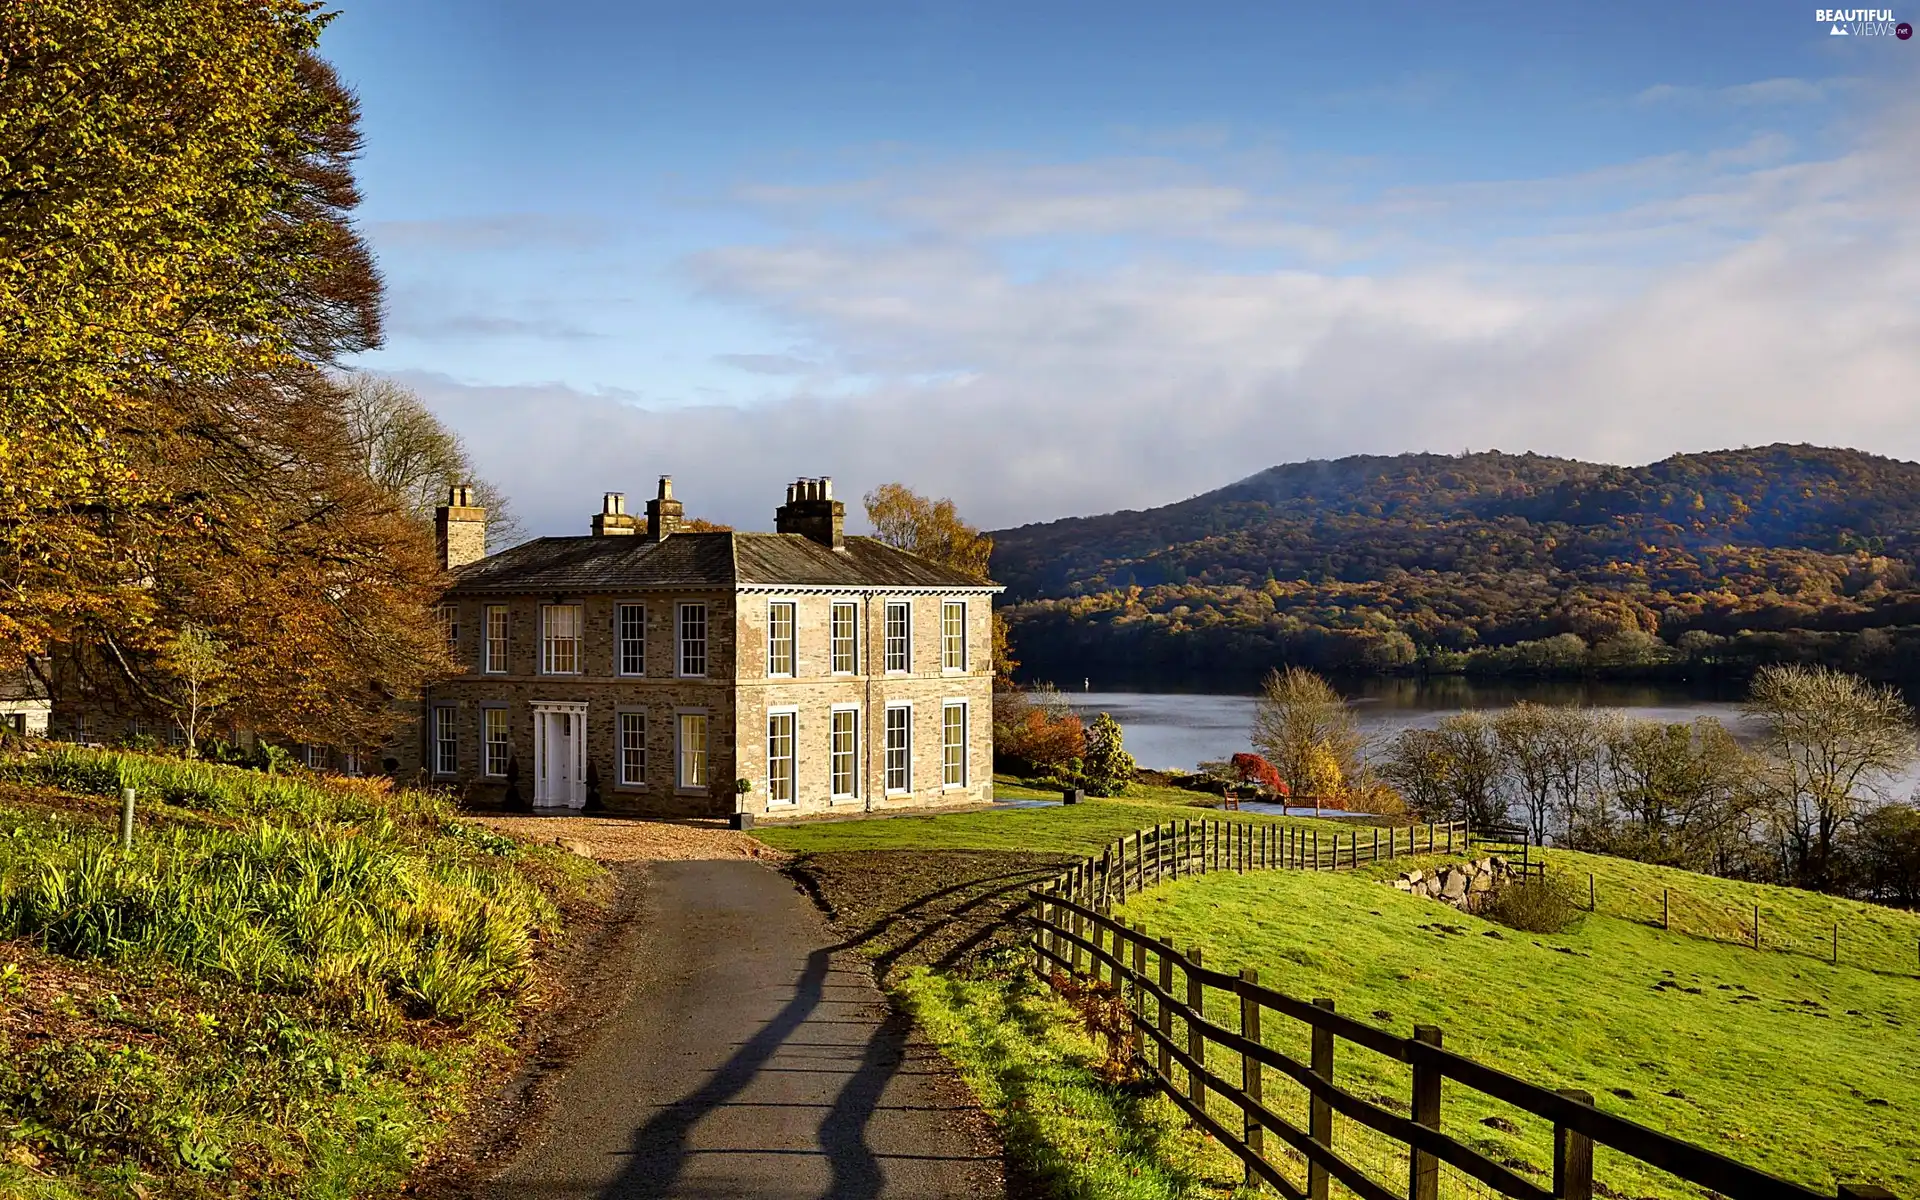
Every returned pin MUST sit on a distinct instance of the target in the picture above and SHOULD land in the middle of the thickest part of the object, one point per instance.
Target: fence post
(1079, 932)
(1117, 969)
(1449, 837)
(1121, 875)
(1106, 877)
(1139, 860)
(1423, 1169)
(1165, 949)
(1139, 1005)
(126, 818)
(1316, 849)
(1253, 1132)
(1319, 1112)
(1196, 1041)
(1376, 843)
(1590, 892)
(1572, 1156)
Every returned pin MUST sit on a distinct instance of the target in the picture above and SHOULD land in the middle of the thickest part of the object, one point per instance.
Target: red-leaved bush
(1251, 768)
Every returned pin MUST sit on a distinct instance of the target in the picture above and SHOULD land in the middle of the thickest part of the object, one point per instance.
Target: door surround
(559, 754)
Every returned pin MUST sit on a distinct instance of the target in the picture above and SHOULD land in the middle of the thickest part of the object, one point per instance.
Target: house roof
(704, 562)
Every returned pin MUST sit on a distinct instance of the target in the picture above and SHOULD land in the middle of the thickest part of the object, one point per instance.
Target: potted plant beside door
(741, 819)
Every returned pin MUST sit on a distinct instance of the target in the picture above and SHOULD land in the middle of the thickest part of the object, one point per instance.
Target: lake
(1176, 731)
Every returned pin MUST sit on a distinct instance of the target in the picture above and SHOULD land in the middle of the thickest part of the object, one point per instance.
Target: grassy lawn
(287, 988)
(1778, 1060)
(1068, 1134)
(1078, 829)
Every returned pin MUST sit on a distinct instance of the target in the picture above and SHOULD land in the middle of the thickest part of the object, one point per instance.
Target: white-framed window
(780, 745)
(630, 639)
(693, 640)
(497, 645)
(780, 637)
(560, 639)
(899, 748)
(843, 624)
(350, 763)
(690, 749)
(633, 748)
(899, 648)
(493, 736)
(450, 628)
(953, 635)
(953, 744)
(844, 754)
(446, 739)
(316, 755)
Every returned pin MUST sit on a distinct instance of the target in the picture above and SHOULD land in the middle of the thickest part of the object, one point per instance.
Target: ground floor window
(780, 758)
(633, 748)
(953, 745)
(900, 749)
(844, 752)
(493, 723)
(693, 750)
(446, 740)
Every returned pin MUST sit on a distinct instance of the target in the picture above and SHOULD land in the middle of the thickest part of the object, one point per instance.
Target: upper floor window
(953, 635)
(450, 627)
(560, 643)
(780, 638)
(630, 628)
(899, 636)
(496, 649)
(844, 623)
(693, 639)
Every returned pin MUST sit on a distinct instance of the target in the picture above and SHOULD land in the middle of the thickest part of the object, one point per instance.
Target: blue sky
(1061, 258)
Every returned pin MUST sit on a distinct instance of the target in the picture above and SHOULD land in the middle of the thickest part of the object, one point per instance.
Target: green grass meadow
(1776, 1058)
(1779, 1060)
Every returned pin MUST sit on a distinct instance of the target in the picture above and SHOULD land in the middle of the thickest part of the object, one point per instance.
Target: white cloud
(1783, 304)
(1741, 95)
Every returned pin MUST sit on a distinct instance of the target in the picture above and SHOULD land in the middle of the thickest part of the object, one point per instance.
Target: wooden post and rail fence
(1165, 991)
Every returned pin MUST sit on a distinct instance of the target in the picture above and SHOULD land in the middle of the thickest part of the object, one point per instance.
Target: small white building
(24, 707)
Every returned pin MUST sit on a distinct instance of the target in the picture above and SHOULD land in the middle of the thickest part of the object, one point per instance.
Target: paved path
(752, 1060)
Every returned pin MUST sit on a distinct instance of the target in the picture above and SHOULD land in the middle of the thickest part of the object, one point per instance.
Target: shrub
(1534, 905)
(1251, 768)
(1107, 768)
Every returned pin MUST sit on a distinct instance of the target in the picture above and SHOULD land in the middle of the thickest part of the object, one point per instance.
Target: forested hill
(1388, 562)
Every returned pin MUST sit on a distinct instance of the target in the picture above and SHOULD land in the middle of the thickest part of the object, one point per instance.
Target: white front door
(559, 744)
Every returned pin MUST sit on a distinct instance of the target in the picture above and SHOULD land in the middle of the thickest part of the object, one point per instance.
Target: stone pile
(1463, 886)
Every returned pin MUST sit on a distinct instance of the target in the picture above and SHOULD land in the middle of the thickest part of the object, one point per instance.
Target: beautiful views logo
(1862, 22)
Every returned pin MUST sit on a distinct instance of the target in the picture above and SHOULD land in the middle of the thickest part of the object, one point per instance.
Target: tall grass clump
(215, 789)
(375, 904)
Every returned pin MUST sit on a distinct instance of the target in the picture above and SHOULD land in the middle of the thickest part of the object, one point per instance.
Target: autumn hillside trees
(178, 280)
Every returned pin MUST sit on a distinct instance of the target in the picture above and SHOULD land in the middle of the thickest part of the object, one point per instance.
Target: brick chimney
(613, 519)
(460, 528)
(812, 511)
(664, 513)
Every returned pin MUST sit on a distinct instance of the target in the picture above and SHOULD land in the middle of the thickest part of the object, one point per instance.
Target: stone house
(648, 669)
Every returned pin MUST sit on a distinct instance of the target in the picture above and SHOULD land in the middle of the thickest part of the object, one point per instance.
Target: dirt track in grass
(938, 908)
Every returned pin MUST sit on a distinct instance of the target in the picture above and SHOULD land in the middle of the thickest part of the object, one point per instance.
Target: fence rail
(1164, 990)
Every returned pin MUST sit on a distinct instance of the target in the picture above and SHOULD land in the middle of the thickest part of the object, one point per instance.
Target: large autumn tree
(178, 279)
(932, 529)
